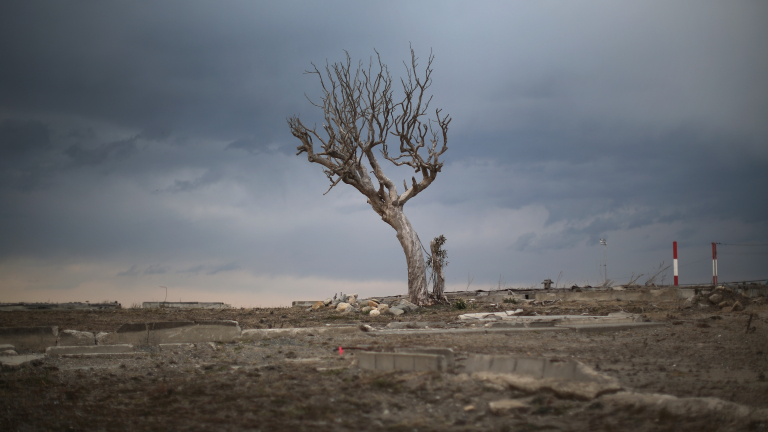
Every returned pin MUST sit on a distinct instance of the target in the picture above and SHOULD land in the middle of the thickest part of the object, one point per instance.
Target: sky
(145, 153)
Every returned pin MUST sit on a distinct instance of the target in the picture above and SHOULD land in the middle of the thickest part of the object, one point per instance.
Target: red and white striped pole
(714, 263)
(674, 259)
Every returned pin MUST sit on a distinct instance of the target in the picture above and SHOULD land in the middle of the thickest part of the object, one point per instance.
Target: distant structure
(185, 305)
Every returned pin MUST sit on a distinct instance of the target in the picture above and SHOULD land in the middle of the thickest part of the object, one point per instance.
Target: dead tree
(438, 259)
(360, 115)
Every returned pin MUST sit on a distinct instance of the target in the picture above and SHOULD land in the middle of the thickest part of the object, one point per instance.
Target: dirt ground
(305, 384)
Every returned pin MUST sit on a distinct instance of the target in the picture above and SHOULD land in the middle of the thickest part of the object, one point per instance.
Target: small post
(714, 263)
(674, 259)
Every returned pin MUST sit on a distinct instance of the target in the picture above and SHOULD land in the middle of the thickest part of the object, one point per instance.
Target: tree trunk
(417, 270)
(438, 278)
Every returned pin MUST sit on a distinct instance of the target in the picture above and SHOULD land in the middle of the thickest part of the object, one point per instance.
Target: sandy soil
(304, 384)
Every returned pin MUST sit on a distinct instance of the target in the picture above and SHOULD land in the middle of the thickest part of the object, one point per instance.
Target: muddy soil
(305, 384)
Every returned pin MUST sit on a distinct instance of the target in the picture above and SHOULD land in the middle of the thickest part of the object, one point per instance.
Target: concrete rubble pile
(347, 304)
(725, 298)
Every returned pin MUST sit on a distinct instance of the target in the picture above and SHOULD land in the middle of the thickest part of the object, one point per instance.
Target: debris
(738, 307)
(716, 298)
(750, 329)
(505, 406)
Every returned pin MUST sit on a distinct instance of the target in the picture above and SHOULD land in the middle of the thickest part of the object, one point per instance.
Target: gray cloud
(159, 131)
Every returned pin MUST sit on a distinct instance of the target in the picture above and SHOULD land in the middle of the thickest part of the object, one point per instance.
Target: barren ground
(304, 384)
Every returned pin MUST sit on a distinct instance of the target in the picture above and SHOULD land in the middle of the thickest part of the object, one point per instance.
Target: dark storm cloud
(158, 130)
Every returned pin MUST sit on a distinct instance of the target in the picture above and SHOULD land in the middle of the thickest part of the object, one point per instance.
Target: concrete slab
(416, 325)
(29, 338)
(386, 362)
(602, 328)
(96, 349)
(142, 334)
(18, 360)
(467, 331)
(261, 334)
(445, 352)
(176, 347)
(76, 338)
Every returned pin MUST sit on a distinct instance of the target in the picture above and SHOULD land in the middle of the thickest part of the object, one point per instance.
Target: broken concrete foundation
(29, 338)
(185, 305)
(172, 332)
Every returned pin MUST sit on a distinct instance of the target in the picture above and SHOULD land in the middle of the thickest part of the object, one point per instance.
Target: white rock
(342, 306)
(374, 313)
(383, 308)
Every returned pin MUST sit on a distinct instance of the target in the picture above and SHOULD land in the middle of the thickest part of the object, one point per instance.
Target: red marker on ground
(341, 351)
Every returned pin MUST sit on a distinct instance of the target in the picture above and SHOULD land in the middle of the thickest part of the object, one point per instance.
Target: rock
(9, 352)
(469, 408)
(688, 303)
(738, 307)
(723, 304)
(343, 298)
(349, 309)
(727, 309)
(366, 309)
(327, 301)
(373, 304)
(504, 406)
(318, 305)
(366, 328)
(715, 298)
(352, 299)
(407, 306)
(383, 308)
(396, 311)
(341, 307)
(374, 313)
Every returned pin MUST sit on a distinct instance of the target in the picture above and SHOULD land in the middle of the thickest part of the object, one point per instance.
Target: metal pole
(674, 259)
(605, 260)
(714, 264)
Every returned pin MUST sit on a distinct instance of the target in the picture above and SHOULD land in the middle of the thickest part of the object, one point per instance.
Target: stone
(396, 311)
(407, 306)
(738, 307)
(373, 304)
(349, 309)
(9, 352)
(352, 299)
(688, 303)
(723, 304)
(341, 307)
(727, 309)
(383, 308)
(366, 309)
(505, 406)
(318, 305)
(374, 313)
(715, 298)
(327, 301)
